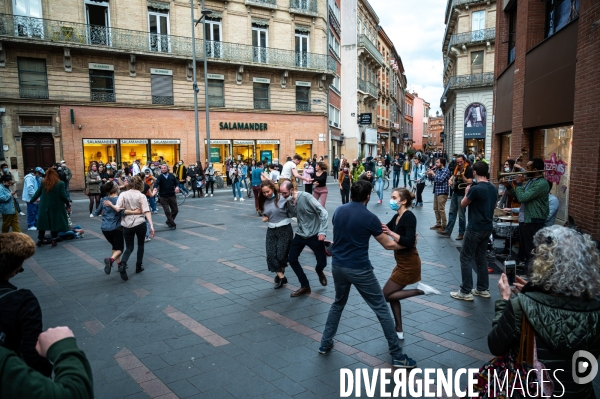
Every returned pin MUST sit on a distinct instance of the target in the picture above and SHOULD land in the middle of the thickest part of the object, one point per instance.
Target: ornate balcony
(473, 37)
(33, 92)
(271, 4)
(368, 88)
(162, 100)
(306, 7)
(365, 43)
(305, 107)
(262, 105)
(217, 102)
(102, 97)
(76, 35)
(468, 82)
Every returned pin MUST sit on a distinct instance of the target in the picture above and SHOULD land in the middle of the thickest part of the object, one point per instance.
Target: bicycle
(219, 182)
(386, 180)
(179, 195)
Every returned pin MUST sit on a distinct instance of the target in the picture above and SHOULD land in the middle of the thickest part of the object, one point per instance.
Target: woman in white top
(234, 175)
(133, 225)
(274, 175)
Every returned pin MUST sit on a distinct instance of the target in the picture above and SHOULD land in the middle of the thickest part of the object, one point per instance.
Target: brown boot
(436, 227)
(301, 291)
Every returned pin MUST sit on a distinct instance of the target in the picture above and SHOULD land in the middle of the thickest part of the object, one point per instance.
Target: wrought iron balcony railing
(103, 97)
(163, 100)
(262, 105)
(475, 36)
(33, 92)
(467, 82)
(363, 41)
(262, 3)
(51, 31)
(303, 107)
(368, 87)
(308, 7)
(216, 102)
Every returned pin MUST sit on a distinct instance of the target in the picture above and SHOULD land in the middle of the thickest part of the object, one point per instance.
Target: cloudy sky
(416, 27)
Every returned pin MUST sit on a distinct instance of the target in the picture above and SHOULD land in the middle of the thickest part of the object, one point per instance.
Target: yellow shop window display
(167, 149)
(304, 148)
(220, 150)
(132, 149)
(268, 150)
(96, 150)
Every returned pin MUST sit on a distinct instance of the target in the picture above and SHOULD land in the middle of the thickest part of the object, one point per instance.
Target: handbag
(515, 370)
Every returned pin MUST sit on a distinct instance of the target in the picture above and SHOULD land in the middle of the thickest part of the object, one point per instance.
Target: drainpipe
(2, 111)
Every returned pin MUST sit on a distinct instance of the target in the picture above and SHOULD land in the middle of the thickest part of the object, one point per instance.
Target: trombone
(502, 175)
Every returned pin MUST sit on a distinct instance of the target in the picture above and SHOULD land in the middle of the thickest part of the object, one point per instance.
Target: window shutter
(162, 85)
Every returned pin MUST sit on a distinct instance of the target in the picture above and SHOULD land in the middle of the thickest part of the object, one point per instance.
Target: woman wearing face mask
(209, 174)
(320, 190)
(110, 172)
(103, 174)
(379, 172)
(180, 173)
(402, 229)
(279, 233)
(345, 180)
(308, 172)
(234, 175)
(93, 181)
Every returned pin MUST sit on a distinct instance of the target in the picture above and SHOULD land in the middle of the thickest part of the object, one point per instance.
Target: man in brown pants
(440, 176)
(167, 186)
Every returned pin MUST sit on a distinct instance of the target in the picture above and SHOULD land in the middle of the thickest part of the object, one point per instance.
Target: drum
(505, 229)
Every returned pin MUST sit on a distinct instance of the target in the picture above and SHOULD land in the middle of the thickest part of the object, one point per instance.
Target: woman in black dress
(403, 228)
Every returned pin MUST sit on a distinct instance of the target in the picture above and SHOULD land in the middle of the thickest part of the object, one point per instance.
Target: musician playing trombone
(533, 197)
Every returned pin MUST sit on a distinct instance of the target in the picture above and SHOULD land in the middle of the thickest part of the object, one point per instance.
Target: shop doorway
(38, 150)
(475, 146)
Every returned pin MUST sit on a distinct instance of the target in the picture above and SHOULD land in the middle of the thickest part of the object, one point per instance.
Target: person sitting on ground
(72, 372)
(20, 312)
(560, 304)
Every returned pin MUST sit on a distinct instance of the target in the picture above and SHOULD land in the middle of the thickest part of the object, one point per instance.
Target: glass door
(98, 23)
(28, 14)
(158, 23)
(477, 25)
(259, 44)
(213, 39)
(302, 50)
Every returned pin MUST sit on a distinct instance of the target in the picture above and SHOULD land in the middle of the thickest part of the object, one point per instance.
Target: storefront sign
(267, 141)
(36, 129)
(242, 126)
(215, 76)
(554, 169)
(165, 141)
(104, 67)
(99, 141)
(218, 141)
(134, 141)
(247, 142)
(155, 71)
(301, 83)
(303, 142)
(365, 119)
(261, 80)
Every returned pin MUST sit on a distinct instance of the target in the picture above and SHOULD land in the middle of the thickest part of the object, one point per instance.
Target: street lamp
(195, 84)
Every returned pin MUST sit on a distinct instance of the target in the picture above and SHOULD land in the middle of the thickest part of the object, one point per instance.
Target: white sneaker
(485, 294)
(295, 219)
(235, 198)
(211, 195)
(22, 214)
(460, 295)
(91, 215)
(428, 290)
(400, 335)
(241, 199)
(32, 228)
(147, 239)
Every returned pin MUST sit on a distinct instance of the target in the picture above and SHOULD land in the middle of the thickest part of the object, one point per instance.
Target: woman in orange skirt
(403, 229)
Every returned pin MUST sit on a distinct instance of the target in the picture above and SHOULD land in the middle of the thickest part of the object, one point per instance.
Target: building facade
(547, 96)
(468, 52)
(397, 99)
(384, 81)
(78, 84)
(407, 130)
(360, 63)
(335, 88)
(436, 128)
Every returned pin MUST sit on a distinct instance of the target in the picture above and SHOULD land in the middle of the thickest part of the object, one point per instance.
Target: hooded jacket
(563, 325)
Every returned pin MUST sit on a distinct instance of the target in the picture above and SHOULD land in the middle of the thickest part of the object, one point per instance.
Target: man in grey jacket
(311, 232)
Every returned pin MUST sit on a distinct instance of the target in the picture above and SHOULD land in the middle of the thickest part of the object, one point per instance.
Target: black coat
(563, 325)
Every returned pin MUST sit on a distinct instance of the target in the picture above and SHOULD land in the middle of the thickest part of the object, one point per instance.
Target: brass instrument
(502, 175)
(462, 186)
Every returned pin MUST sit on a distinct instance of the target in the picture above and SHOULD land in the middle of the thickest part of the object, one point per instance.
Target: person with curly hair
(560, 303)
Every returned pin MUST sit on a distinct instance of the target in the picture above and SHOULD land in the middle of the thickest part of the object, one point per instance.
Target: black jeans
(210, 184)
(298, 244)
(138, 231)
(526, 233)
(345, 191)
(474, 246)
(169, 205)
(420, 188)
(334, 172)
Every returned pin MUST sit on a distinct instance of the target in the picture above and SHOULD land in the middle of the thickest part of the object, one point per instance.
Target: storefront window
(168, 149)
(475, 146)
(558, 141)
(304, 148)
(96, 150)
(243, 150)
(268, 150)
(220, 150)
(132, 149)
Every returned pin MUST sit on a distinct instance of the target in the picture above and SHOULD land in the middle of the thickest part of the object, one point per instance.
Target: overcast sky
(416, 27)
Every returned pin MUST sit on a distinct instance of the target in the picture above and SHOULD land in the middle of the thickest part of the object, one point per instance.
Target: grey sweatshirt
(277, 214)
(312, 217)
(111, 220)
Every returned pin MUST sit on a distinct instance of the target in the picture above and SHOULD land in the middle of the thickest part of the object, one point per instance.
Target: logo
(584, 366)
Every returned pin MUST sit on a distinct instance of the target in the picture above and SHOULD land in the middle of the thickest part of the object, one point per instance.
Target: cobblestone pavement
(203, 320)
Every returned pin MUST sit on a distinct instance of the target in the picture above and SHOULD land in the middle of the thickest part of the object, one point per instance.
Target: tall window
(213, 37)
(26, 14)
(334, 116)
(559, 13)
(33, 81)
(261, 96)
(102, 86)
(216, 93)
(302, 98)
(98, 20)
(476, 62)
(477, 25)
(259, 44)
(334, 44)
(336, 84)
(512, 33)
(302, 49)
(162, 89)
(158, 23)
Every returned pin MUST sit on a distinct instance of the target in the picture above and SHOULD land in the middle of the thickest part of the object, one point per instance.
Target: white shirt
(274, 176)
(286, 173)
(136, 168)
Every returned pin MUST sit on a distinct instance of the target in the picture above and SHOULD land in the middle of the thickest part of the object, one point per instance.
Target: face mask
(346, 171)
(379, 164)
(394, 205)
(507, 169)
(5, 170)
(354, 164)
(210, 166)
(180, 163)
(454, 159)
(275, 162)
(342, 157)
(272, 195)
(107, 166)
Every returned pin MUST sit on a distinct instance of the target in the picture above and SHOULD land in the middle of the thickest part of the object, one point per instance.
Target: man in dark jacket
(167, 186)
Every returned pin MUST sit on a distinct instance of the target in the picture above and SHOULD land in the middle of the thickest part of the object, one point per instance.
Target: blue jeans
(406, 177)
(368, 287)
(32, 213)
(183, 188)
(245, 181)
(152, 202)
(234, 186)
(454, 209)
(396, 177)
(379, 188)
(474, 246)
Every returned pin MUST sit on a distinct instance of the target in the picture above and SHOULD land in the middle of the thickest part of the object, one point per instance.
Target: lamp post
(195, 84)
(205, 13)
